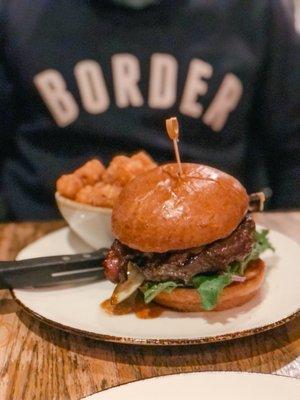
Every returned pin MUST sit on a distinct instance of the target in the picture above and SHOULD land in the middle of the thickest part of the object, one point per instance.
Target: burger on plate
(186, 241)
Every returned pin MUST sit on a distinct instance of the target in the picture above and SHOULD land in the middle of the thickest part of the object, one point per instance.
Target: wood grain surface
(39, 362)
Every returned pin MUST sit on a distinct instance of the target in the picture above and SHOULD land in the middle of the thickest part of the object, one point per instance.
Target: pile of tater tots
(96, 185)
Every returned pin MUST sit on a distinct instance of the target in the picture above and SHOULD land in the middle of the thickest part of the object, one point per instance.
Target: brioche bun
(160, 211)
(234, 295)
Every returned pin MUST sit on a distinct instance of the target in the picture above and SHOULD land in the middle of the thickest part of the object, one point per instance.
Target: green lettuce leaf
(152, 289)
(211, 286)
(261, 244)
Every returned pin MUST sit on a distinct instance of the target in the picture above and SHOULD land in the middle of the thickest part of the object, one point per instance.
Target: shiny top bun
(160, 211)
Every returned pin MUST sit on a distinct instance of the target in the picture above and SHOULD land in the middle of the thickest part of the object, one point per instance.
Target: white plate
(208, 386)
(76, 308)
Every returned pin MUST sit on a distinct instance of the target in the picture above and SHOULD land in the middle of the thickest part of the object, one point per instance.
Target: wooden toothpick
(173, 133)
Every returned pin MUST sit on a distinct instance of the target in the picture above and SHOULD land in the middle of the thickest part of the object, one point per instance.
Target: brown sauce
(134, 304)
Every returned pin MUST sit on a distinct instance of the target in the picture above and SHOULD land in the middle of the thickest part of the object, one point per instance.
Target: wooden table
(39, 362)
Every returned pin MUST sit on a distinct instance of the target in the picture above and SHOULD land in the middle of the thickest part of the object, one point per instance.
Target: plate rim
(215, 372)
(152, 341)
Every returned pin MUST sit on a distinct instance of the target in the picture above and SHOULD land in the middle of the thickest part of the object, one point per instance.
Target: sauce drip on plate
(134, 304)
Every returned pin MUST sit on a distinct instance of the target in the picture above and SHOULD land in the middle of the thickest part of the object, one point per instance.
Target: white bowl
(91, 224)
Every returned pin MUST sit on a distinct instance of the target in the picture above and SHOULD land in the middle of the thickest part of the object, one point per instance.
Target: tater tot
(122, 169)
(147, 161)
(119, 171)
(85, 195)
(69, 185)
(109, 193)
(91, 172)
(100, 195)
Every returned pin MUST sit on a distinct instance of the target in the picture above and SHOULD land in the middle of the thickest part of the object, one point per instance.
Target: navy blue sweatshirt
(82, 79)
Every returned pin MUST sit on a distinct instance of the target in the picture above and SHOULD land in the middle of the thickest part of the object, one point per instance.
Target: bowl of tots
(85, 197)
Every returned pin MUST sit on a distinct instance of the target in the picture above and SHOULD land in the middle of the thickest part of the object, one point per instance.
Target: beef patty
(182, 265)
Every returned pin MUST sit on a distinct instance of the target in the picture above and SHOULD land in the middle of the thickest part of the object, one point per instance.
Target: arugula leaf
(262, 243)
(210, 287)
(152, 289)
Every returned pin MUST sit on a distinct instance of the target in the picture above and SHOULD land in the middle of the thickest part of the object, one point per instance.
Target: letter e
(224, 103)
(195, 86)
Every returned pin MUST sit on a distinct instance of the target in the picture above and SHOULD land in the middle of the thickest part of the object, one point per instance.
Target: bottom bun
(234, 295)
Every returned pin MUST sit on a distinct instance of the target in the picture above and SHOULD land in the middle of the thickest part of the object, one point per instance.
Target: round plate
(207, 385)
(76, 308)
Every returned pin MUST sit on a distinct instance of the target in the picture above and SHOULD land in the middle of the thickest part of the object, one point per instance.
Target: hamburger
(187, 242)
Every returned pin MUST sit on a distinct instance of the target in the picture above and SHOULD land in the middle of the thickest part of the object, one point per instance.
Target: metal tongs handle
(51, 270)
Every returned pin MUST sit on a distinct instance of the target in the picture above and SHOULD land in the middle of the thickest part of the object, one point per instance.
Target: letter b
(59, 100)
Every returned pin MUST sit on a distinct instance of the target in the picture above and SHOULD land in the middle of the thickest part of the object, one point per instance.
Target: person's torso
(92, 80)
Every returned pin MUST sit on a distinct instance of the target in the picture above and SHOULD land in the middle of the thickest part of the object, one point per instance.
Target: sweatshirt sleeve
(277, 107)
(6, 122)
(6, 91)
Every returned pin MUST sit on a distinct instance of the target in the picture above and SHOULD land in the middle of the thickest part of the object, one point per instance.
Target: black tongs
(51, 270)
